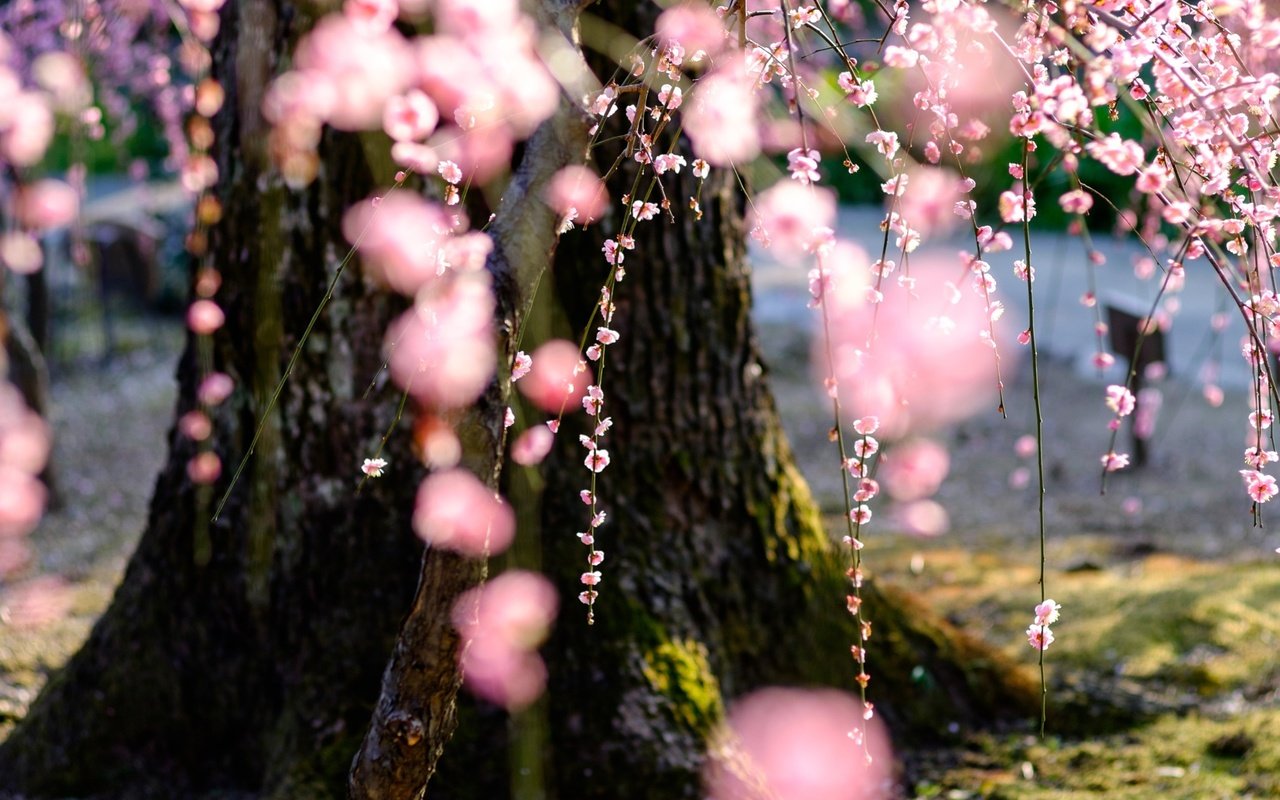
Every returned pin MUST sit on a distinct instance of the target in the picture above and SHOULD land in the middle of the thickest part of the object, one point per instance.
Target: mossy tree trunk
(246, 653)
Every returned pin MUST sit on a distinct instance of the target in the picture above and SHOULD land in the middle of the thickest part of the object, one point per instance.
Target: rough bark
(245, 654)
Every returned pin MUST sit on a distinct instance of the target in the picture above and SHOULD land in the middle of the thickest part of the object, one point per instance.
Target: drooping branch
(415, 713)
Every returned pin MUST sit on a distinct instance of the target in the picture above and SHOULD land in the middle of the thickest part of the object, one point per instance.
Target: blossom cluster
(1039, 634)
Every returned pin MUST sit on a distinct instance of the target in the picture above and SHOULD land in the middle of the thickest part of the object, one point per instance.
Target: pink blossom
(861, 93)
(886, 142)
(365, 69)
(668, 162)
(372, 16)
(1260, 487)
(1039, 637)
(1118, 155)
(554, 383)
(20, 252)
(914, 469)
(410, 117)
(693, 25)
(930, 205)
(450, 171)
(578, 190)
(793, 215)
(216, 387)
(803, 166)
(929, 362)
(597, 460)
(721, 119)
(1076, 201)
(523, 363)
(455, 511)
(473, 18)
(400, 239)
(1120, 400)
(644, 211)
(532, 446)
(195, 425)
(1113, 462)
(1026, 446)
(1047, 612)
(794, 744)
(204, 317)
(204, 468)
(501, 624)
(442, 350)
(47, 203)
(925, 518)
(29, 129)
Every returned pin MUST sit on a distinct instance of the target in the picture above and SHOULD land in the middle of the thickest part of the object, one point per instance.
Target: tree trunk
(245, 654)
(718, 575)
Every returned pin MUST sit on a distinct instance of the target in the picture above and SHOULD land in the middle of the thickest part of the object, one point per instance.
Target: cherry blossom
(456, 511)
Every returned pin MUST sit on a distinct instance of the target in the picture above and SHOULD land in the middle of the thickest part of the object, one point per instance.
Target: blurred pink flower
(204, 468)
(36, 603)
(928, 205)
(556, 382)
(577, 189)
(921, 518)
(46, 204)
(29, 129)
(372, 16)
(442, 350)
(454, 510)
(365, 69)
(794, 216)
(922, 361)
(22, 499)
(501, 625)
(794, 744)
(410, 117)
(692, 25)
(721, 116)
(532, 446)
(914, 469)
(216, 387)
(20, 252)
(204, 317)
(399, 238)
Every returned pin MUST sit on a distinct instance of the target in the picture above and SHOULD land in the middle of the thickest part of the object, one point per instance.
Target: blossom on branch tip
(373, 467)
